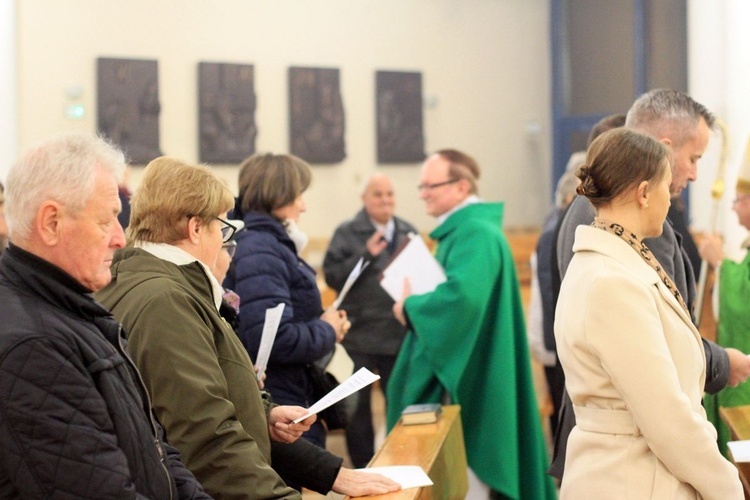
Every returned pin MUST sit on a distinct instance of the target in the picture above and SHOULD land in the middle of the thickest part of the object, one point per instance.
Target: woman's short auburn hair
(269, 181)
(172, 191)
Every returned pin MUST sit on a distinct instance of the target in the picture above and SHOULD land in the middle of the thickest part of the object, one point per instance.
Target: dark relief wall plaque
(128, 106)
(226, 112)
(316, 115)
(399, 115)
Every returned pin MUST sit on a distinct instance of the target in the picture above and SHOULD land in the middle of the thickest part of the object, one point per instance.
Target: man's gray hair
(566, 187)
(366, 182)
(668, 113)
(61, 169)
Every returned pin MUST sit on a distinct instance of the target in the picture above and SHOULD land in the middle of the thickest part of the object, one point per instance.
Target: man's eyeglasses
(740, 199)
(227, 230)
(230, 247)
(429, 187)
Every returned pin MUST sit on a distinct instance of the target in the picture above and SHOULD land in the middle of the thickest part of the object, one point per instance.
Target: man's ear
(464, 186)
(666, 141)
(49, 222)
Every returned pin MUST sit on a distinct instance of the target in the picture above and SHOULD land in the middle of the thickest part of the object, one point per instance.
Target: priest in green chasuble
(466, 341)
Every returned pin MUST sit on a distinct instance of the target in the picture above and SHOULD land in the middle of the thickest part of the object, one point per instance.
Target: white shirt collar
(180, 257)
(388, 228)
(470, 200)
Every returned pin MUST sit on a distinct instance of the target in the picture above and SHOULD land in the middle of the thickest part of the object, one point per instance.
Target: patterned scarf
(644, 252)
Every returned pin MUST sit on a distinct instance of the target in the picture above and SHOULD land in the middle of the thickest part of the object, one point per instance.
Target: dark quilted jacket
(74, 417)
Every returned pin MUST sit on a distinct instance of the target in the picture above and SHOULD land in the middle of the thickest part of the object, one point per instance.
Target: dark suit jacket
(374, 328)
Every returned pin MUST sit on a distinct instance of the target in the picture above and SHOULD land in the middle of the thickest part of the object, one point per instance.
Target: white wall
(8, 112)
(484, 62)
(719, 44)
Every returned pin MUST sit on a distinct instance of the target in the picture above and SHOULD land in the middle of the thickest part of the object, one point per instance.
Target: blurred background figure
(269, 271)
(540, 328)
(731, 293)
(376, 336)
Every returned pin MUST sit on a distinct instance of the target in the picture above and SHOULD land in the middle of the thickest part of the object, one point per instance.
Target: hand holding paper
(362, 378)
(281, 424)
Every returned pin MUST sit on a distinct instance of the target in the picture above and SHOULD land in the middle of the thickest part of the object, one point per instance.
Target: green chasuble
(468, 339)
(733, 331)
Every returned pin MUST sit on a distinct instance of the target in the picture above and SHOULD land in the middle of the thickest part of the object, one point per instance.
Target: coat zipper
(157, 442)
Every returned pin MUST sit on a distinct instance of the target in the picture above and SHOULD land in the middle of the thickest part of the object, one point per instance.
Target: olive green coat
(198, 373)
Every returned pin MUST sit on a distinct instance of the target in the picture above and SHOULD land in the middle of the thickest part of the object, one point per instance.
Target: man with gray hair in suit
(375, 337)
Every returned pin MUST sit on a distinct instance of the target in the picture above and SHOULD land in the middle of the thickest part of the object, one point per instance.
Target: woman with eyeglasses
(269, 271)
(200, 378)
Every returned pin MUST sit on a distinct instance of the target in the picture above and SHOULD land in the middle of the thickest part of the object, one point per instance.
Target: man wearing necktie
(373, 341)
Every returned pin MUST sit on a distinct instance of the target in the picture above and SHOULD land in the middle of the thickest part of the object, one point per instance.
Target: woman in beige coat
(633, 360)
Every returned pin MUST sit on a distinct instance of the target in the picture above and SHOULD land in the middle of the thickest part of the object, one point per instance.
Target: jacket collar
(180, 257)
(362, 223)
(256, 221)
(47, 281)
(595, 240)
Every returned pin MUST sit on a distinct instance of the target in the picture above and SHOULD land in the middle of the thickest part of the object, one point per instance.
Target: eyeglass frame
(430, 187)
(227, 230)
(226, 226)
(231, 248)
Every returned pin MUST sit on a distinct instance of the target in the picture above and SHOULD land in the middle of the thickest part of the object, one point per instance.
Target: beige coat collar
(595, 240)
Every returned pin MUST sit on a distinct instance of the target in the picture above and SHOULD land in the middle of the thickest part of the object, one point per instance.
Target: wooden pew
(738, 421)
(438, 448)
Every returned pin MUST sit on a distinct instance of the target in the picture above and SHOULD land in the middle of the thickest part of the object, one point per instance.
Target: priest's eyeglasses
(430, 187)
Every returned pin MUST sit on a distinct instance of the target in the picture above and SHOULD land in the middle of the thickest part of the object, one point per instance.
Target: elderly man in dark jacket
(375, 337)
(75, 419)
